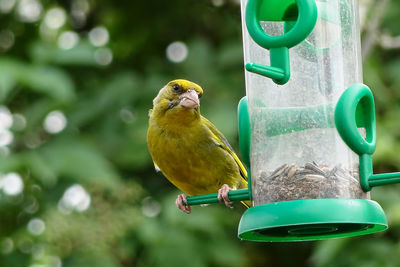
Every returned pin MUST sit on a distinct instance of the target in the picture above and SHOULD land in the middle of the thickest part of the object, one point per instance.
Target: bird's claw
(223, 195)
(181, 203)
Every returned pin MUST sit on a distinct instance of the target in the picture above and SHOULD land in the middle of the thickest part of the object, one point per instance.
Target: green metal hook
(356, 109)
(279, 46)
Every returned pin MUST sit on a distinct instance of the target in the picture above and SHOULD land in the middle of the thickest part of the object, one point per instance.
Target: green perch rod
(234, 195)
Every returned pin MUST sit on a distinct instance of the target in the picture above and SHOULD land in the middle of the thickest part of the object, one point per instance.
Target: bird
(188, 149)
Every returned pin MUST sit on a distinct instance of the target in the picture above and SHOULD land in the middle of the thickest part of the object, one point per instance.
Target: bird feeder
(307, 125)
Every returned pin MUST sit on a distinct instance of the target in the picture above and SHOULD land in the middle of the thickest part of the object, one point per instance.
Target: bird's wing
(220, 139)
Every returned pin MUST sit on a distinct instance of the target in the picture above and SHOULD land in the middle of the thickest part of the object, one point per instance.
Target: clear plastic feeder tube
(296, 152)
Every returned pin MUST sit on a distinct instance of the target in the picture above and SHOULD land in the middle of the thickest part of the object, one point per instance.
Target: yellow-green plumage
(187, 148)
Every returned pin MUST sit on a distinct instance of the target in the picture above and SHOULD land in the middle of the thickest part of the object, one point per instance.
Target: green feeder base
(311, 219)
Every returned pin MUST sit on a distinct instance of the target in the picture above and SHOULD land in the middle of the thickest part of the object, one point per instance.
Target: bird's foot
(223, 195)
(181, 203)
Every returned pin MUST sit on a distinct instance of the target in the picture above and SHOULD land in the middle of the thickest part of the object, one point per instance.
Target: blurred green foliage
(78, 78)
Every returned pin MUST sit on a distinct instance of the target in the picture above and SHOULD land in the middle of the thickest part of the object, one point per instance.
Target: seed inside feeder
(311, 181)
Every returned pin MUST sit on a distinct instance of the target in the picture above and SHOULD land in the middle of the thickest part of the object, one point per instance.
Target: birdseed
(311, 181)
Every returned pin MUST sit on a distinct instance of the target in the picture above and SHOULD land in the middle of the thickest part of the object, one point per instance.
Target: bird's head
(178, 94)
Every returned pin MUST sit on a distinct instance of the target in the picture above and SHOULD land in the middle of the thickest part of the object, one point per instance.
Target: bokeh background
(77, 185)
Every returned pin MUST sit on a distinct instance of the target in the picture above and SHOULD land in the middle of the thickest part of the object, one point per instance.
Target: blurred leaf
(73, 159)
(230, 56)
(7, 82)
(374, 80)
(48, 80)
(326, 251)
(212, 247)
(32, 161)
(116, 91)
(88, 258)
(80, 55)
(52, 81)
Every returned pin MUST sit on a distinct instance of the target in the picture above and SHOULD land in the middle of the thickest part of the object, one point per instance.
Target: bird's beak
(189, 99)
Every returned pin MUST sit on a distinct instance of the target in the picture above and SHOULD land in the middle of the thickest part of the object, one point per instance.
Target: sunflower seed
(280, 170)
(292, 171)
(312, 166)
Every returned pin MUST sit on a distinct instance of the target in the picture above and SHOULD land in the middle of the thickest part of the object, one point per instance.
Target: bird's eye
(176, 87)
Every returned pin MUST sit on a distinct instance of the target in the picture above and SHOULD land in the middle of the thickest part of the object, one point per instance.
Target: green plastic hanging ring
(356, 108)
(306, 20)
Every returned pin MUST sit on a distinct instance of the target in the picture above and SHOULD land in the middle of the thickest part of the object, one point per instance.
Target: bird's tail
(246, 203)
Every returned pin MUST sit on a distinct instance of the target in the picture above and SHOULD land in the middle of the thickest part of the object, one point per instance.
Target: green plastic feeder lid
(311, 219)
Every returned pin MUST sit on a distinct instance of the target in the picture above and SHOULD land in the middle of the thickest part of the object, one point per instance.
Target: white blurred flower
(99, 36)
(6, 119)
(150, 207)
(7, 5)
(36, 226)
(68, 40)
(29, 10)
(12, 184)
(103, 56)
(177, 52)
(6, 137)
(75, 198)
(55, 18)
(55, 122)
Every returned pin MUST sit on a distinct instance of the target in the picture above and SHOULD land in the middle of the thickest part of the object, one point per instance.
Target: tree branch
(372, 28)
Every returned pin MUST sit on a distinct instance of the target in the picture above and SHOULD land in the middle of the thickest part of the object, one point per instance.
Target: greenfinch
(188, 149)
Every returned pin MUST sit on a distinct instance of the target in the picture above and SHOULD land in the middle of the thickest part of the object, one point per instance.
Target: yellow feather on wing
(218, 136)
